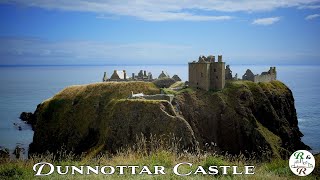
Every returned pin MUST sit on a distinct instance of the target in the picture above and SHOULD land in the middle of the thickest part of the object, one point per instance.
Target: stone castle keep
(207, 73)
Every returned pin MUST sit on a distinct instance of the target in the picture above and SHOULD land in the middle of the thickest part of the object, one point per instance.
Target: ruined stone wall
(248, 76)
(228, 73)
(217, 75)
(265, 78)
(199, 75)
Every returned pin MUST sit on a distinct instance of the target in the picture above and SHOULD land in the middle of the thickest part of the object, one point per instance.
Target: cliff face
(244, 117)
(83, 117)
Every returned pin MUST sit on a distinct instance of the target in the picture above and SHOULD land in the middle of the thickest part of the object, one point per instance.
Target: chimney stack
(104, 77)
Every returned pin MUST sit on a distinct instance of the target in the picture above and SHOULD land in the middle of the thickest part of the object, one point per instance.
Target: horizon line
(61, 65)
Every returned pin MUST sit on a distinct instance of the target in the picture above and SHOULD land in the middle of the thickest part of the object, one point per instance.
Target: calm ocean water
(23, 88)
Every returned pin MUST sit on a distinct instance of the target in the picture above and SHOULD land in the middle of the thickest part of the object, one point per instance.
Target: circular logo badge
(302, 163)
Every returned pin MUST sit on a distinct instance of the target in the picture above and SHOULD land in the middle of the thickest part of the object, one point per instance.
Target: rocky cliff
(83, 117)
(244, 117)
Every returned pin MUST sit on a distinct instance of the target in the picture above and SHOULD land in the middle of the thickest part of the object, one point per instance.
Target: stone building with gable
(118, 75)
(163, 75)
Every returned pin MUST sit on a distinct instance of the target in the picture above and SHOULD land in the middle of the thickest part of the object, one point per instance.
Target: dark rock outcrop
(244, 117)
(4, 153)
(29, 118)
(18, 151)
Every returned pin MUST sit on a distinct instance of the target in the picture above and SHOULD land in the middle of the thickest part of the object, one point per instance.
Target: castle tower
(217, 74)
(207, 74)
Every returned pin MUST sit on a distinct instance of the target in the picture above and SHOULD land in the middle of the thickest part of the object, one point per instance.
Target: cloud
(309, 7)
(38, 51)
(313, 16)
(266, 21)
(28, 51)
(165, 10)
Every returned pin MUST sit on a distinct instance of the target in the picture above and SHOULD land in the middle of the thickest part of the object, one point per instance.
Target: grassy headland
(255, 122)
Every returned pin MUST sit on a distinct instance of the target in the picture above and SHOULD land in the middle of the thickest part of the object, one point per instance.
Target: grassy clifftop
(245, 117)
(80, 118)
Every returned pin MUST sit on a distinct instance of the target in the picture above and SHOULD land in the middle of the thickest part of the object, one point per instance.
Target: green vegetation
(164, 82)
(100, 115)
(177, 88)
(162, 154)
(82, 118)
(78, 114)
(245, 117)
(177, 84)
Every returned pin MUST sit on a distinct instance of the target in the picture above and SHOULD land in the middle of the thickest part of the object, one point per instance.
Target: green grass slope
(81, 118)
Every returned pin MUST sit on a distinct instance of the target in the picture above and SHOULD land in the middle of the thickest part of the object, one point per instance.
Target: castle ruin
(207, 74)
(228, 73)
(118, 76)
(163, 75)
(143, 75)
(248, 75)
(268, 76)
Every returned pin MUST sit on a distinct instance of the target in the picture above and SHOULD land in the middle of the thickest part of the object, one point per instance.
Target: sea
(24, 87)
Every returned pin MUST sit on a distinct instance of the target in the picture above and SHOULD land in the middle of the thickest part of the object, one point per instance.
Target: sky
(82, 32)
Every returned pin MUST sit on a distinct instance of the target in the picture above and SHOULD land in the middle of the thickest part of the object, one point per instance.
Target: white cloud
(266, 21)
(91, 51)
(313, 16)
(310, 7)
(163, 10)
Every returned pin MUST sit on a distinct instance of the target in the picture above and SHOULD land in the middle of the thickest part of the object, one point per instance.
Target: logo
(302, 163)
